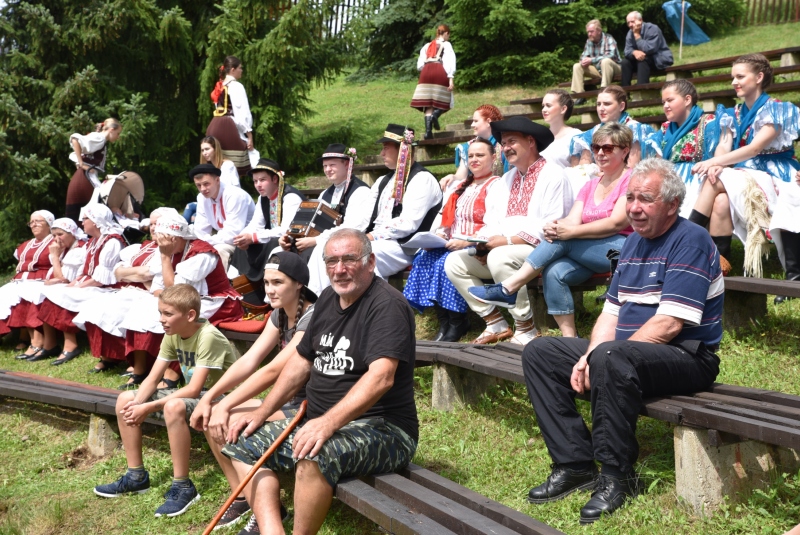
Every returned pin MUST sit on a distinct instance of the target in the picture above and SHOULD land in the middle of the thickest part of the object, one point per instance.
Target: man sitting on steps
(600, 58)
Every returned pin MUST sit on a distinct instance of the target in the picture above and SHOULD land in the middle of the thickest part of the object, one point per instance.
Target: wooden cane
(286, 432)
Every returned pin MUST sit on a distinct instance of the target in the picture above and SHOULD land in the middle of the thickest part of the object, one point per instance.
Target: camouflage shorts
(190, 403)
(360, 448)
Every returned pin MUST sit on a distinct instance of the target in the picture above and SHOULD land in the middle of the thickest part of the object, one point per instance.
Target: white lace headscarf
(101, 216)
(174, 225)
(68, 225)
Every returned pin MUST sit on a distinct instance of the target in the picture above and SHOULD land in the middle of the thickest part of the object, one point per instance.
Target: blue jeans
(189, 212)
(568, 263)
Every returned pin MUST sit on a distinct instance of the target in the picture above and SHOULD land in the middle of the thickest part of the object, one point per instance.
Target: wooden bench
(419, 501)
(653, 89)
(414, 501)
(746, 298)
(728, 440)
(788, 57)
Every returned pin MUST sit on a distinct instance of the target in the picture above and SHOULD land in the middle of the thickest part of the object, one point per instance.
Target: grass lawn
(494, 447)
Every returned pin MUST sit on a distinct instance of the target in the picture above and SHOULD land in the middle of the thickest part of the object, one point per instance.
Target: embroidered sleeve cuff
(533, 240)
(691, 315)
(611, 308)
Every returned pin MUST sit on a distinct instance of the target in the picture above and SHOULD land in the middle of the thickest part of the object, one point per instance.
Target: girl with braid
(285, 280)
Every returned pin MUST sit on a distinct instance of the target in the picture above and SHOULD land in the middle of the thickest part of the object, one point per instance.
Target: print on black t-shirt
(342, 344)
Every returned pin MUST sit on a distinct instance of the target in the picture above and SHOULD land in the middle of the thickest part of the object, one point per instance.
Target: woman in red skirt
(434, 93)
(33, 267)
(232, 124)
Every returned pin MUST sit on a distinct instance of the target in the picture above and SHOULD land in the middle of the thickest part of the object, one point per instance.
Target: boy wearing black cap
(222, 212)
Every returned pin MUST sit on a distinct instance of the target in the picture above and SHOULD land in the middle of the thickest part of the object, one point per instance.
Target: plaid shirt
(606, 48)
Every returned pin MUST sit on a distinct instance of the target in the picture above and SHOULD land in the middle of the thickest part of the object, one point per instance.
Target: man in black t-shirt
(357, 356)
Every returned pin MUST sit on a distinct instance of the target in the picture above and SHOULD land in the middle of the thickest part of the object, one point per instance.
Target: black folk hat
(335, 150)
(265, 164)
(524, 126)
(204, 169)
(294, 267)
(394, 133)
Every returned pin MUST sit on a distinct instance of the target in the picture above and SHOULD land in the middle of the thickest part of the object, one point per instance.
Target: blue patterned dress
(427, 283)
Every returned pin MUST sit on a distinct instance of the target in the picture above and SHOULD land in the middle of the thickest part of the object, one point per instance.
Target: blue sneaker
(124, 485)
(493, 294)
(179, 498)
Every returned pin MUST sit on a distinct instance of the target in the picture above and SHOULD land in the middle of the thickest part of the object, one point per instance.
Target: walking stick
(286, 432)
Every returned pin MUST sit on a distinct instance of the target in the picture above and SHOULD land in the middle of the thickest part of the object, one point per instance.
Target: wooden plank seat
(421, 502)
(727, 439)
(746, 298)
(787, 56)
(637, 90)
(415, 501)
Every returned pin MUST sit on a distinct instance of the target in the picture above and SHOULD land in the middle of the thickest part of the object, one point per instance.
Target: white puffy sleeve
(353, 214)
(229, 174)
(240, 107)
(238, 209)
(422, 56)
(202, 225)
(89, 143)
(449, 59)
(195, 270)
(109, 256)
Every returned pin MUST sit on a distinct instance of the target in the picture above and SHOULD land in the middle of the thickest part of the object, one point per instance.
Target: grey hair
(348, 233)
(672, 186)
(635, 14)
(595, 22)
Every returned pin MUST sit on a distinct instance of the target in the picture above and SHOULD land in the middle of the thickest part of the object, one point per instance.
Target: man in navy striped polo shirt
(657, 335)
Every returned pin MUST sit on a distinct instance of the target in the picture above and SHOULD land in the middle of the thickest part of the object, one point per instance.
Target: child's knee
(174, 410)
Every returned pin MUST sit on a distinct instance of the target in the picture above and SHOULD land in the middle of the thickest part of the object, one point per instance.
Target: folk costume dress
(198, 265)
(578, 176)
(102, 317)
(62, 303)
(685, 145)
(437, 61)
(23, 296)
(427, 283)
(771, 172)
(33, 266)
(83, 183)
(231, 123)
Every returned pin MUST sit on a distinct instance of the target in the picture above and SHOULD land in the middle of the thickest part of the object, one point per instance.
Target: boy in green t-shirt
(204, 354)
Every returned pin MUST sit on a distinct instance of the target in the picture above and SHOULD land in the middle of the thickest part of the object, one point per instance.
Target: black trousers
(621, 374)
(643, 69)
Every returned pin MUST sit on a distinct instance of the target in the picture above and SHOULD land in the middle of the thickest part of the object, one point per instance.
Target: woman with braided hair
(462, 217)
(285, 281)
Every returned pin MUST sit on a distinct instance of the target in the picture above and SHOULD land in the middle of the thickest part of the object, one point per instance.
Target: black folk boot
(791, 254)
(428, 126)
(435, 118)
(444, 322)
(459, 326)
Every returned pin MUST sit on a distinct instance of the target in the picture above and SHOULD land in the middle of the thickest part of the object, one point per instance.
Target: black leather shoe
(579, 101)
(781, 299)
(561, 483)
(26, 356)
(609, 495)
(44, 354)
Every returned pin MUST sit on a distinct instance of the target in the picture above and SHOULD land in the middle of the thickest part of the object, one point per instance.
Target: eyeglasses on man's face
(348, 260)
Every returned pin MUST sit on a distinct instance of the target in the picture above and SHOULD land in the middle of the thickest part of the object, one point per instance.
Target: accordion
(312, 218)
